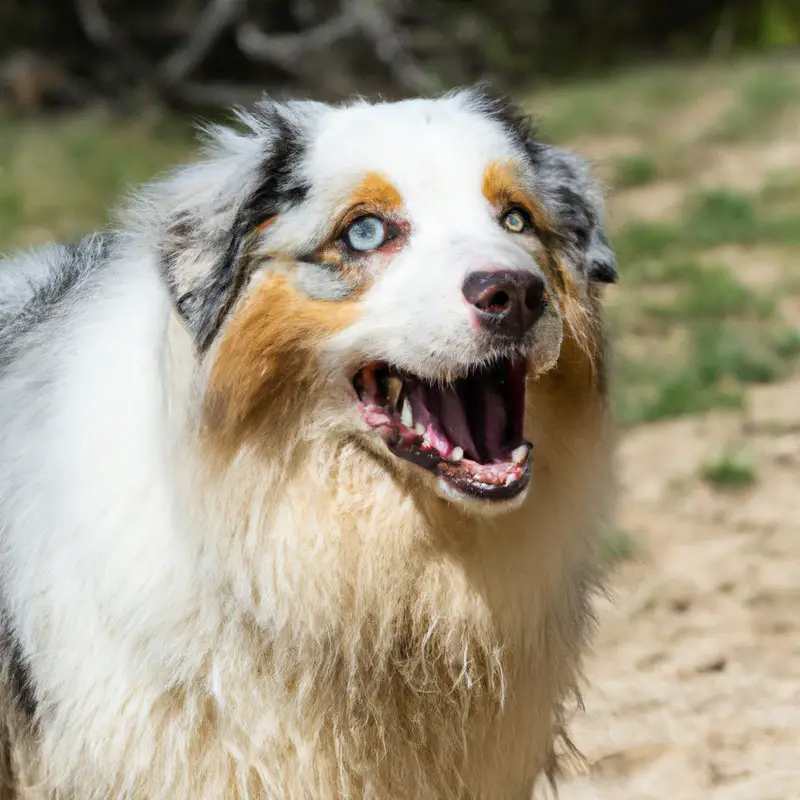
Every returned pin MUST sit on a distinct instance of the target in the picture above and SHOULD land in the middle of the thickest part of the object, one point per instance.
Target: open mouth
(467, 431)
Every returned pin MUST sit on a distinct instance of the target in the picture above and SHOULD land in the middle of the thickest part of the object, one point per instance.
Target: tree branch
(286, 50)
(104, 35)
(380, 28)
(216, 17)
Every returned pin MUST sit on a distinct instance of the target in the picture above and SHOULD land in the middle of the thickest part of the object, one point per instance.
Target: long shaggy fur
(214, 583)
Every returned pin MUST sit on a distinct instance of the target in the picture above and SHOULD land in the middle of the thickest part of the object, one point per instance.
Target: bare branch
(287, 50)
(380, 28)
(216, 17)
(370, 18)
(104, 35)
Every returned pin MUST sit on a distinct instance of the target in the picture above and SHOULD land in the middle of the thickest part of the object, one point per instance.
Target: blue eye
(366, 233)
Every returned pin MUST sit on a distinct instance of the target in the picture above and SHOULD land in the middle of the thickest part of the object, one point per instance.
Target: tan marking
(374, 193)
(266, 364)
(503, 190)
(580, 372)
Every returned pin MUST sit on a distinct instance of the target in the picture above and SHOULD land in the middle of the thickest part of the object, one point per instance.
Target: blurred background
(690, 110)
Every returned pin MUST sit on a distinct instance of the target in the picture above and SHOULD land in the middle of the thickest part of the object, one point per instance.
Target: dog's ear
(209, 211)
(576, 200)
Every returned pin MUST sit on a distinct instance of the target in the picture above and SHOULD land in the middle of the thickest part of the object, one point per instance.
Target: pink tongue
(494, 421)
(453, 418)
(450, 411)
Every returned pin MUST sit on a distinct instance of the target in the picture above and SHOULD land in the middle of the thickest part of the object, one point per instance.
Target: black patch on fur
(517, 125)
(18, 674)
(602, 262)
(206, 306)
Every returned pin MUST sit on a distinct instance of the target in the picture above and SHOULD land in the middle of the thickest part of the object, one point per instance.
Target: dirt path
(694, 689)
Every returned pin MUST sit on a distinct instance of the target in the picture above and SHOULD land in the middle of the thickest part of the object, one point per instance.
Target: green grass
(763, 98)
(619, 103)
(712, 293)
(710, 337)
(708, 219)
(635, 170)
(719, 216)
(61, 178)
(733, 470)
(637, 241)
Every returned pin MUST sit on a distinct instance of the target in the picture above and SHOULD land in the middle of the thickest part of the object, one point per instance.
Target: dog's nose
(506, 301)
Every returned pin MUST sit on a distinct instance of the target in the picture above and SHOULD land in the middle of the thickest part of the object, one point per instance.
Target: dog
(302, 462)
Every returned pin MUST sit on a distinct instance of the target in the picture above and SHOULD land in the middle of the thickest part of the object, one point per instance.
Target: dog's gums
(467, 431)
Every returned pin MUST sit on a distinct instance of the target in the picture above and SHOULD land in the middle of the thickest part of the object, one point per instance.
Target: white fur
(304, 620)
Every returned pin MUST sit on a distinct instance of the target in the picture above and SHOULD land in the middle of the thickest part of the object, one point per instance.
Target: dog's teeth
(420, 429)
(394, 387)
(457, 454)
(519, 453)
(406, 415)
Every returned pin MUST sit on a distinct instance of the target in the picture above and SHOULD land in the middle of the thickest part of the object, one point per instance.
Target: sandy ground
(694, 687)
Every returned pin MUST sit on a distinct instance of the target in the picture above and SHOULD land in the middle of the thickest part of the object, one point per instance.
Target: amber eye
(515, 221)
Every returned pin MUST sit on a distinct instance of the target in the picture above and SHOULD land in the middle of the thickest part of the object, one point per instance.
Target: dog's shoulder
(34, 285)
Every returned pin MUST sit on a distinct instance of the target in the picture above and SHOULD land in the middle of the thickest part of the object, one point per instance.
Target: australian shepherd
(301, 465)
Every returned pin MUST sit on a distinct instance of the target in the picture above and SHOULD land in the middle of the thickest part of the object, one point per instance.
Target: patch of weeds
(786, 343)
(670, 271)
(733, 470)
(636, 170)
(715, 294)
(762, 101)
(710, 293)
(684, 394)
(782, 229)
(720, 216)
(616, 546)
(722, 353)
(678, 270)
(638, 241)
(718, 362)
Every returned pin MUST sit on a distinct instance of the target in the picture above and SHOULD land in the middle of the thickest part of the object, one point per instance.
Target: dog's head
(389, 274)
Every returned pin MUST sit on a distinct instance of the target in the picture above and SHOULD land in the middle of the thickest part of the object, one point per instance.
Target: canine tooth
(519, 453)
(394, 387)
(420, 429)
(406, 415)
(457, 454)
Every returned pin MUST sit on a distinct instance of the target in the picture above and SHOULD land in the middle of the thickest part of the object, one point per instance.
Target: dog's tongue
(470, 412)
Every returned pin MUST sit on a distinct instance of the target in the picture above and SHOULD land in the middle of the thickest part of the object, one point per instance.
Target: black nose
(506, 301)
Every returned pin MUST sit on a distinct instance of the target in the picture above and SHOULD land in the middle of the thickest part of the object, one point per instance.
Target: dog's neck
(386, 619)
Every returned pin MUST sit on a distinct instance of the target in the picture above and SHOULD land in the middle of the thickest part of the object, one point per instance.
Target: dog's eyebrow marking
(501, 188)
(375, 193)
